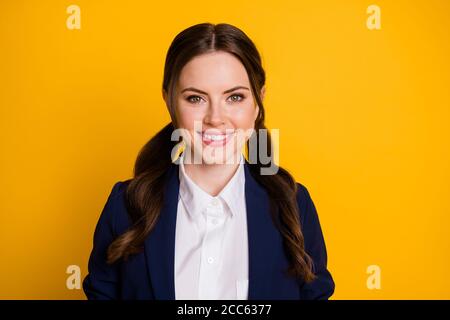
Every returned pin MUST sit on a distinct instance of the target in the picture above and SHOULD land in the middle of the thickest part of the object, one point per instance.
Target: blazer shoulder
(307, 208)
(323, 287)
(302, 191)
(303, 196)
(119, 188)
(115, 211)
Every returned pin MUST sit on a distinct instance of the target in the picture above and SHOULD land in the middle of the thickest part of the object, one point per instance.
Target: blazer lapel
(262, 238)
(160, 244)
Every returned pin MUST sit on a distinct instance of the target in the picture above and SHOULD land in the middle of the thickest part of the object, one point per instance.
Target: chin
(218, 156)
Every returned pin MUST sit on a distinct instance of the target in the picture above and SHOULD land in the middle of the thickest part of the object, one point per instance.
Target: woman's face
(215, 106)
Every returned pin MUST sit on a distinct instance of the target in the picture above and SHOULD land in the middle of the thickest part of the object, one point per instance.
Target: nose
(214, 115)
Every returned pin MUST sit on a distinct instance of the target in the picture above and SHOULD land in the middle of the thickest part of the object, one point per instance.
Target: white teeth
(214, 137)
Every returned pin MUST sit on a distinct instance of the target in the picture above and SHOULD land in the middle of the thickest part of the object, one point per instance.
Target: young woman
(209, 224)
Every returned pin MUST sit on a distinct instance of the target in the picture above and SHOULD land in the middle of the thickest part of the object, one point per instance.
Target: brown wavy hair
(144, 193)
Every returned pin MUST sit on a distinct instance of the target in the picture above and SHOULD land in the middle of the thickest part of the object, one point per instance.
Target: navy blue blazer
(150, 274)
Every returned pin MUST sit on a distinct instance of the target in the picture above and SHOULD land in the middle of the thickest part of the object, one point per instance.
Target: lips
(215, 137)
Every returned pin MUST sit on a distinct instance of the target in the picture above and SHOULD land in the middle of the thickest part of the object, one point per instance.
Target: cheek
(244, 118)
(188, 116)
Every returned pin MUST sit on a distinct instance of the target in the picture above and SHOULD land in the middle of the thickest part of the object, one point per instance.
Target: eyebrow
(203, 92)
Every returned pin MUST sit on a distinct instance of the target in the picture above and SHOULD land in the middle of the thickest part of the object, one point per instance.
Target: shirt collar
(196, 199)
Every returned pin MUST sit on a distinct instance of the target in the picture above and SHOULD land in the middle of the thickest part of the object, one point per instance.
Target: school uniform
(205, 247)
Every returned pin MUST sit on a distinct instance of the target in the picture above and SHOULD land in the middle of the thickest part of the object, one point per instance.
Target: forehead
(215, 70)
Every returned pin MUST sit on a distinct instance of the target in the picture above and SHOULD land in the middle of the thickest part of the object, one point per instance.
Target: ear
(263, 92)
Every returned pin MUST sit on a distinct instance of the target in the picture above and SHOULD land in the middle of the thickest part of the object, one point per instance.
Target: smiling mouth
(218, 139)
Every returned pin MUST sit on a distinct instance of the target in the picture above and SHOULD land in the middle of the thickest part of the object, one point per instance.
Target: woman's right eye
(194, 99)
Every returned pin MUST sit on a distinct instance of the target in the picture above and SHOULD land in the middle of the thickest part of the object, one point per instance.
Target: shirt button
(210, 260)
(214, 221)
(215, 202)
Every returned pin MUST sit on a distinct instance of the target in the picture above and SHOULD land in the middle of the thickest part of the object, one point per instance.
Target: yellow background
(363, 118)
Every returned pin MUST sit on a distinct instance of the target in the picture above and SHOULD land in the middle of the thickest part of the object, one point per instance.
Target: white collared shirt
(211, 244)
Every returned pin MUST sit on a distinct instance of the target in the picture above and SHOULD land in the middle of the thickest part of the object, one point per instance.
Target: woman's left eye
(236, 97)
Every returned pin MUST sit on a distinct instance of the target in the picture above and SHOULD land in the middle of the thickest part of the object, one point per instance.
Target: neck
(211, 177)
